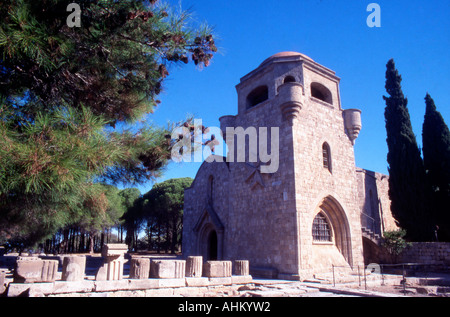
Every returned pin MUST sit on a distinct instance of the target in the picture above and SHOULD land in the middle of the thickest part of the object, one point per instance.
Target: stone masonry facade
(306, 216)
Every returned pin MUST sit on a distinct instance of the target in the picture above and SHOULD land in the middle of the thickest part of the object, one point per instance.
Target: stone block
(83, 286)
(213, 281)
(73, 268)
(189, 292)
(28, 270)
(194, 266)
(49, 270)
(197, 281)
(114, 249)
(111, 270)
(102, 273)
(172, 282)
(241, 279)
(33, 269)
(217, 269)
(111, 286)
(17, 289)
(139, 268)
(2, 281)
(159, 292)
(143, 284)
(113, 257)
(167, 269)
(241, 267)
(29, 290)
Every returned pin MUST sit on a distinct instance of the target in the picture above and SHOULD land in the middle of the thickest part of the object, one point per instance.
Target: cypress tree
(436, 158)
(406, 170)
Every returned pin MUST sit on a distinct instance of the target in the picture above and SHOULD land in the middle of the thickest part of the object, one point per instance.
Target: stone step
(370, 234)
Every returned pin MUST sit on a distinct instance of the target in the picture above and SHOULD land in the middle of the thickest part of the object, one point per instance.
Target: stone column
(217, 269)
(139, 268)
(241, 267)
(194, 266)
(34, 269)
(167, 269)
(113, 257)
(73, 268)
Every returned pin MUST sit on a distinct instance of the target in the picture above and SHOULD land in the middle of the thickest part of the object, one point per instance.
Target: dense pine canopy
(63, 90)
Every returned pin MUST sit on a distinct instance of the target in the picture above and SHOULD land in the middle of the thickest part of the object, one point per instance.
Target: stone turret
(352, 119)
(290, 97)
(227, 122)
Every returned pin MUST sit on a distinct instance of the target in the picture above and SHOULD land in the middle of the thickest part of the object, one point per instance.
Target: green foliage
(115, 63)
(62, 92)
(394, 241)
(168, 196)
(129, 197)
(407, 188)
(162, 210)
(165, 203)
(436, 157)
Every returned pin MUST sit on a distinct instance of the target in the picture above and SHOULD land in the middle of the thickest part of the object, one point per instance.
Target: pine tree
(64, 89)
(407, 189)
(164, 205)
(436, 158)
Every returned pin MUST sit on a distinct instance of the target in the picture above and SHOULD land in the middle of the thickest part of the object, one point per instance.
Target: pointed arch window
(326, 155)
(321, 230)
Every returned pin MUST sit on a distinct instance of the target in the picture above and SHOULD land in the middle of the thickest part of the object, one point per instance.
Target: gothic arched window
(321, 230)
(326, 155)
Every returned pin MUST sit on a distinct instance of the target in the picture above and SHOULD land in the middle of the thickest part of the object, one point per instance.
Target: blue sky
(334, 33)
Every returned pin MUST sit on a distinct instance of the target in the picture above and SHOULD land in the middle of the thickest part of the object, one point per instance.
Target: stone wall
(427, 253)
(433, 253)
(374, 202)
(188, 286)
(168, 278)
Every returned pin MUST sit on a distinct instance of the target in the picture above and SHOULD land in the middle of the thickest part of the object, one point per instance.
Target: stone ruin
(113, 260)
(34, 276)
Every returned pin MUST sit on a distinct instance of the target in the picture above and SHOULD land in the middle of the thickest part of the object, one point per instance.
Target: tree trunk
(91, 244)
(159, 238)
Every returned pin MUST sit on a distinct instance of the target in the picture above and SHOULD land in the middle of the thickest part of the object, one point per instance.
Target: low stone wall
(427, 253)
(188, 286)
(34, 276)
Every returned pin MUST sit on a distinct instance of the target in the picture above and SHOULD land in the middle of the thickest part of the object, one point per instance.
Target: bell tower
(303, 216)
(292, 92)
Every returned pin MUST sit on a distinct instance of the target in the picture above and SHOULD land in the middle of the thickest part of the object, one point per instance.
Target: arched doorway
(212, 246)
(210, 234)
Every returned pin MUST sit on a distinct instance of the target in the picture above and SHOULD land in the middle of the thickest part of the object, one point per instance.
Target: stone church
(318, 209)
